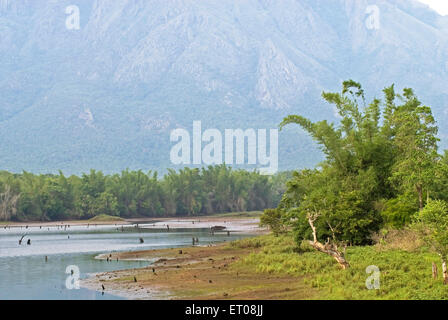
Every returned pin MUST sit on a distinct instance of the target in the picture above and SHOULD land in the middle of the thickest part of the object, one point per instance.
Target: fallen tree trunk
(328, 248)
(334, 252)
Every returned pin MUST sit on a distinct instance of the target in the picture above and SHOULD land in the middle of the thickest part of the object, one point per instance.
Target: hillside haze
(107, 96)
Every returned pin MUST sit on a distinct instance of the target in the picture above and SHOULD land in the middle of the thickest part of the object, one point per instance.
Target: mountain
(107, 95)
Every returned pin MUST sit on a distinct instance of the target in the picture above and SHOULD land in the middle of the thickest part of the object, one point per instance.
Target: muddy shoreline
(169, 269)
(245, 224)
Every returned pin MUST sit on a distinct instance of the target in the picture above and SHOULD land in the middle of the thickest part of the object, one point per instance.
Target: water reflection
(25, 273)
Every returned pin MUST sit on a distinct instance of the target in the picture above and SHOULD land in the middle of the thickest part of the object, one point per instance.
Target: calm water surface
(24, 273)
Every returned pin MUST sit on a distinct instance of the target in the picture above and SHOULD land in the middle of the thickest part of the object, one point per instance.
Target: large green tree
(377, 152)
(414, 133)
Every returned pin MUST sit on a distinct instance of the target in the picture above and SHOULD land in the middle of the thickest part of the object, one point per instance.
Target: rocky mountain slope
(108, 94)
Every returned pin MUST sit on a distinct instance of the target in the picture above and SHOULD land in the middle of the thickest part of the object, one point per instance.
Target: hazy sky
(440, 6)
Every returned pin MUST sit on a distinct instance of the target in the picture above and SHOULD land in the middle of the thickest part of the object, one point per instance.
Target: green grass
(245, 214)
(404, 275)
(105, 218)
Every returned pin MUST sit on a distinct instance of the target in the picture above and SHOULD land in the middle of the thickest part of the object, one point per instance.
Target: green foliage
(380, 159)
(414, 129)
(439, 186)
(273, 219)
(398, 212)
(210, 190)
(403, 275)
(432, 223)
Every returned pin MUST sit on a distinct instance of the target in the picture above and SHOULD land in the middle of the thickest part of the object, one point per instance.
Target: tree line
(382, 170)
(216, 189)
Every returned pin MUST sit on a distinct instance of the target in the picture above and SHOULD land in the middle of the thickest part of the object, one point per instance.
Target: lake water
(25, 274)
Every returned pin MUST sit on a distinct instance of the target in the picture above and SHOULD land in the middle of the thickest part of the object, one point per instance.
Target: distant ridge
(106, 96)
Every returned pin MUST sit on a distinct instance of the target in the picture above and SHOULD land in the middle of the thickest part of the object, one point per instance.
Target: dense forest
(382, 171)
(218, 189)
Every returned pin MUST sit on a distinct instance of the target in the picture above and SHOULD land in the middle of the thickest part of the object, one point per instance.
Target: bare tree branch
(330, 247)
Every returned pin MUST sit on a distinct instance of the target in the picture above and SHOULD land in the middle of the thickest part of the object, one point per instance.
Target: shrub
(272, 218)
(398, 212)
